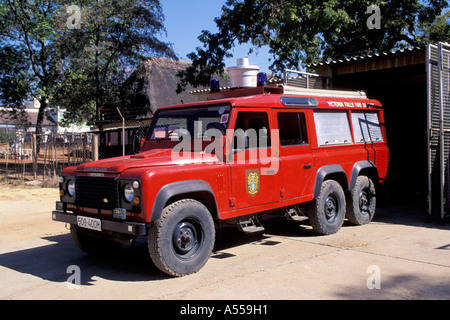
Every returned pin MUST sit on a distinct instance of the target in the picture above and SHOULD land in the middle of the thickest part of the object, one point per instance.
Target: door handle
(307, 166)
(271, 172)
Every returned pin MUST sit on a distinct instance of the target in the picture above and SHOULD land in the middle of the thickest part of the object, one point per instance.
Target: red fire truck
(306, 154)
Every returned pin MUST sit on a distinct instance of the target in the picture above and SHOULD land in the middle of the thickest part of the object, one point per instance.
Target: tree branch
(26, 39)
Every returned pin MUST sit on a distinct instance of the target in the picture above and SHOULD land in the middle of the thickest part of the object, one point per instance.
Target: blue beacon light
(215, 85)
(261, 79)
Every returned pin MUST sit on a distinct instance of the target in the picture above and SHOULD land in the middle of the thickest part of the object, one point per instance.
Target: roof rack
(286, 90)
(303, 79)
(303, 83)
(291, 90)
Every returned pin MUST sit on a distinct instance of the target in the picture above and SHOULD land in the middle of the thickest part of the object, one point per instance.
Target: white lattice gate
(438, 73)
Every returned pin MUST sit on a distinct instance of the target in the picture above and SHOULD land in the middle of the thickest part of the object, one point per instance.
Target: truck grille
(97, 192)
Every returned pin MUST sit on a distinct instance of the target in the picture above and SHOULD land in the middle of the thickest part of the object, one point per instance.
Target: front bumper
(133, 228)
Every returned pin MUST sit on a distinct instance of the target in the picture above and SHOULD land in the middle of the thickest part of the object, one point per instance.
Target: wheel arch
(364, 168)
(198, 190)
(330, 172)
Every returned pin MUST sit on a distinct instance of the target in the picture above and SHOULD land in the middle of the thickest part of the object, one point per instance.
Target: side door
(253, 159)
(296, 159)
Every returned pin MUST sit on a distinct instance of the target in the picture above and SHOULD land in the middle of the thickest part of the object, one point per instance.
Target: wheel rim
(331, 207)
(364, 202)
(187, 239)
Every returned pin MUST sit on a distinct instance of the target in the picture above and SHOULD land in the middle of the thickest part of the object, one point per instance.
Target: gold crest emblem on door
(252, 181)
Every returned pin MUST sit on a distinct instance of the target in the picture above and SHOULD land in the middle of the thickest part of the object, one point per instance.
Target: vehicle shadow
(411, 214)
(228, 237)
(130, 263)
(51, 262)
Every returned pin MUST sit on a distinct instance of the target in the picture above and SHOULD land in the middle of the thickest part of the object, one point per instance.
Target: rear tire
(361, 201)
(326, 213)
(181, 241)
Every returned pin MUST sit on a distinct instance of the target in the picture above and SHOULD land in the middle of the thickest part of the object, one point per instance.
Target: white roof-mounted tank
(243, 75)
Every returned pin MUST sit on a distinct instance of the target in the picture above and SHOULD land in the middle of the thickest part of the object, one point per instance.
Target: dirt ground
(397, 256)
(26, 203)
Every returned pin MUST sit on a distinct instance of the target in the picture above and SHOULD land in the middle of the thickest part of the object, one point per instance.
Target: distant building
(401, 81)
(26, 118)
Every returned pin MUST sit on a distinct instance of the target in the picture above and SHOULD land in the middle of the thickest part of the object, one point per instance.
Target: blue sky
(184, 21)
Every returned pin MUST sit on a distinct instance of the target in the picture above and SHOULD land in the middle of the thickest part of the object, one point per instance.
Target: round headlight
(128, 192)
(71, 188)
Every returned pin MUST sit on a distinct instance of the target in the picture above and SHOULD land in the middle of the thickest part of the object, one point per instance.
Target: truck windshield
(193, 123)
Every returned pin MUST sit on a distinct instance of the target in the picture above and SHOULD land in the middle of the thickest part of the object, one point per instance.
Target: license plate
(89, 223)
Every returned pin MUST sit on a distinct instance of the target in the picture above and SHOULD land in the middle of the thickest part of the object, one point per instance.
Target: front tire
(326, 213)
(91, 242)
(181, 241)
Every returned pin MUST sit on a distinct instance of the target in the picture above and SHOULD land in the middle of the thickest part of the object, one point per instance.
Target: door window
(292, 128)
(251, 131)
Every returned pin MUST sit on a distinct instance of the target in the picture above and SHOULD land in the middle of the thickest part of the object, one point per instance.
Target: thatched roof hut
(151, 86)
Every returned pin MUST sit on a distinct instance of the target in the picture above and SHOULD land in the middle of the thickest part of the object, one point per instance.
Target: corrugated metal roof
(375, 57)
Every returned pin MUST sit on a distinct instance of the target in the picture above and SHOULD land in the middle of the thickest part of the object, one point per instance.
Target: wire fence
(28, 156)
(117, 139)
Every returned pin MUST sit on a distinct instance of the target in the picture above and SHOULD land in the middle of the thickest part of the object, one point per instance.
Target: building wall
(402, 89)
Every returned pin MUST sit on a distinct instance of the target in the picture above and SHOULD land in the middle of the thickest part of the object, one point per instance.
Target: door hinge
(282, 193)
(232, 202)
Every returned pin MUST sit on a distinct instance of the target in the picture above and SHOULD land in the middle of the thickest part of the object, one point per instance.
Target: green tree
(438, 30)
(112, 38)
(76, 57)
(28, 59)
(301, 32)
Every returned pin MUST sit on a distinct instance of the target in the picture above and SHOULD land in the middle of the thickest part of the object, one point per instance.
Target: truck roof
(286, 97)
